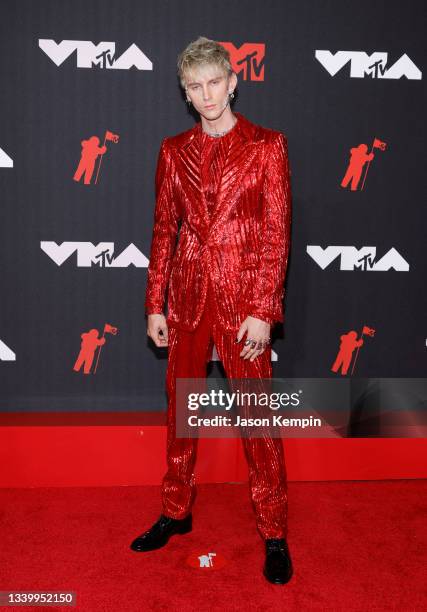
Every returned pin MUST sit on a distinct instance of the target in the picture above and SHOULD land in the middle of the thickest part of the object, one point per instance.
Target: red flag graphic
(368, 331)
(379, 144)
(110, 329)
(110, 136)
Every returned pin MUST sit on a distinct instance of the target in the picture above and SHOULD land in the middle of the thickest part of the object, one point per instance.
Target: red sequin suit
(232, 196)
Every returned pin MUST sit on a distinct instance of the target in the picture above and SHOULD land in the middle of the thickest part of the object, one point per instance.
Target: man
(227, 181)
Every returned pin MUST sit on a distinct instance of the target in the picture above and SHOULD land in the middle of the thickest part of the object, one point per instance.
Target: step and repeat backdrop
(88, 91)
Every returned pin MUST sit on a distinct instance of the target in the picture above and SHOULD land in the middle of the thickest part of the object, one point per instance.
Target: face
(208, 88)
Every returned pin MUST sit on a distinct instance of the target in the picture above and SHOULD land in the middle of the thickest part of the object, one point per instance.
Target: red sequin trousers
(188, 356)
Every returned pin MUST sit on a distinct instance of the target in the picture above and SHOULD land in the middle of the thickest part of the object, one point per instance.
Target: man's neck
(222, 124)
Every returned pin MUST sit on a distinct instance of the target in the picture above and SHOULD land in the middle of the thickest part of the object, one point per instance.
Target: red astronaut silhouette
(90, 152)
(348, 343)
(90, 343)
(358, 159)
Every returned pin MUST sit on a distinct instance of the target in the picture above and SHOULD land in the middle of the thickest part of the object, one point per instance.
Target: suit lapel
(239, 156)
(189, 155)
(238, 161)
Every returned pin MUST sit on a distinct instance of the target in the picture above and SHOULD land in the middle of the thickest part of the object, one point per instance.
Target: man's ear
(234, 80)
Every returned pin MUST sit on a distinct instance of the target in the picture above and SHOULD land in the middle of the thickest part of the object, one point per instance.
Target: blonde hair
(201, 52)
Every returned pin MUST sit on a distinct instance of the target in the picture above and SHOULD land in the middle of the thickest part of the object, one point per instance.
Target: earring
(232, 95)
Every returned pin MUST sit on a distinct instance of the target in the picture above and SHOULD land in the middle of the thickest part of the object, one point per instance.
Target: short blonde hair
(201, 52)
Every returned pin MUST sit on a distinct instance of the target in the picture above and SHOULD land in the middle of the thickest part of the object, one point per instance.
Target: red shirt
(213, 156)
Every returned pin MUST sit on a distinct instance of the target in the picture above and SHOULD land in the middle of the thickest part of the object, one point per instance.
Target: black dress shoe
(278, 565)
(159, 534)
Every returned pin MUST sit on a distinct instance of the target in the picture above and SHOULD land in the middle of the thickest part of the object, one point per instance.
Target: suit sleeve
(275, 239)
(165, 229)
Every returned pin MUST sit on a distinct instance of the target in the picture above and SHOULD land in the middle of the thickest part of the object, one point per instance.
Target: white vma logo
(101, 255)
(358, 259)
(6, 353)
(5, 160)
(374, 65)
(102, 55)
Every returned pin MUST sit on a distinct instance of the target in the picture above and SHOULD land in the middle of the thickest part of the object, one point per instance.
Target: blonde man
(226, 180)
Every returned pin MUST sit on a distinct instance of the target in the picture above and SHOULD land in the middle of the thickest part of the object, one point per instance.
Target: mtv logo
(362, 64)
(352, 258)
(101, 55)
(248, 58)
(88, 254)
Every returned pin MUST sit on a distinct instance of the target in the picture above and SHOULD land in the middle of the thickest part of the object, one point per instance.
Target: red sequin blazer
(243, 248)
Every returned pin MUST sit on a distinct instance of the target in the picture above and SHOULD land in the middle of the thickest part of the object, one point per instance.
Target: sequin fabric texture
(232, 218)
(188, 355)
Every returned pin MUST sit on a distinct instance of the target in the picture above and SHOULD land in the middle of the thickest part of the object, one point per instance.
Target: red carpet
(355, 546)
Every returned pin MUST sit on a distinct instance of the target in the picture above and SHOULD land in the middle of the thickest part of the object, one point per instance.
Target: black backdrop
(48, 108)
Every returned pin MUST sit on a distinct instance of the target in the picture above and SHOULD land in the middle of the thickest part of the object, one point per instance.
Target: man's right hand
(157, 329)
